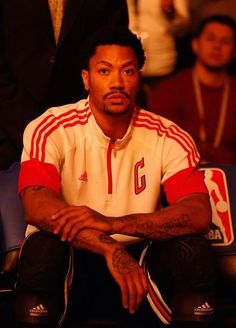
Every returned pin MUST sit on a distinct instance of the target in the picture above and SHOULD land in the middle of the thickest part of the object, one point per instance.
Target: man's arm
(40, 203)
(190, 214)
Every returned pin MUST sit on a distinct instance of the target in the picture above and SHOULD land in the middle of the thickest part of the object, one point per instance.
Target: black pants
(180, 267)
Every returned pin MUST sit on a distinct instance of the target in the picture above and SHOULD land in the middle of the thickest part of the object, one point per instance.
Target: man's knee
(186, 260)
(43, 263)
(44, 278)
(182, 269)
(194, 263)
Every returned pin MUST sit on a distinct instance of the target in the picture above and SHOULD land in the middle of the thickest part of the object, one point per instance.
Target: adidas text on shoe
(38, 311)
(204, 309)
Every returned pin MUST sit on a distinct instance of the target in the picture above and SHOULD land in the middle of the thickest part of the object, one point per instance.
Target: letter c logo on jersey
(139, 180)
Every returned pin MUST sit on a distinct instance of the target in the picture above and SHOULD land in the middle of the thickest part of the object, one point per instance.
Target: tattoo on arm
(154, 228)
(123, 262)
(151, 230)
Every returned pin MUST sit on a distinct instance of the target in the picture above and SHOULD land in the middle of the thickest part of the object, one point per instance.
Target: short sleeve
(183, 183)
(40, 160)
(180, 174)
(35, 173)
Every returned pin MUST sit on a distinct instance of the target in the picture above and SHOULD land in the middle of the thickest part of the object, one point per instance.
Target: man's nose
(217, 44)
(117, 80)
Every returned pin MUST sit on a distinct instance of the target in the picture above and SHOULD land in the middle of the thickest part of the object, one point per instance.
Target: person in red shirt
(201, 99)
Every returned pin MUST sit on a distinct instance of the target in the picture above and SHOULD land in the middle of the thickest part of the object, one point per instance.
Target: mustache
(114, 92)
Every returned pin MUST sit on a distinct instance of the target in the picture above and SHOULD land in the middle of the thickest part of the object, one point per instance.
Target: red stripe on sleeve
(183, 183)
(35, 173)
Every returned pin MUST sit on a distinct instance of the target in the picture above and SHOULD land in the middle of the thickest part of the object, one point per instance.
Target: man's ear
(85, 78)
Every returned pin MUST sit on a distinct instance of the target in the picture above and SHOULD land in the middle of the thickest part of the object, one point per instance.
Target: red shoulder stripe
(173, 131)
(50, 124)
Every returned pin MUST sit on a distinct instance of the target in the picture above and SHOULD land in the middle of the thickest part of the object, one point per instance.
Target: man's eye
(128, 71)
(103, 71)
(227, 41)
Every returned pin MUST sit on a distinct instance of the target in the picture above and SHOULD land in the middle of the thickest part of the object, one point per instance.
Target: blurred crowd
(190, 69)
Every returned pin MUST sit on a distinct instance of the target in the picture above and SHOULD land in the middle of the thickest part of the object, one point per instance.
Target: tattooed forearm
(123, 262)
(92, 240)
(159, 231)
(84, 240)
(179, 218)
(152, 227)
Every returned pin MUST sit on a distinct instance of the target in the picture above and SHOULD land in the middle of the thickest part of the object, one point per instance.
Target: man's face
(112, 79)
(215, 47)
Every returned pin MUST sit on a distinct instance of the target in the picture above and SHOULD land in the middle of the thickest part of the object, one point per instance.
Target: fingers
(63, 226)
(133, 301)
(73, 232)
(134, 290)
(68, 211)
(69, 221)
(124, 294)
(130, 277)
(137, 290)
(132, 295)
(69, 230)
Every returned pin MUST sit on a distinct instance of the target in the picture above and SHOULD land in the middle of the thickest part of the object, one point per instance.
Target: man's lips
(116, 95)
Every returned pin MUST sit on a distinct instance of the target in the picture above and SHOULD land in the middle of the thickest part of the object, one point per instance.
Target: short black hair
(112, 35)
(222, 19)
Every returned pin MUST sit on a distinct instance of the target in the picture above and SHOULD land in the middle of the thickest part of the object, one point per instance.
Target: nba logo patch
(221, 232)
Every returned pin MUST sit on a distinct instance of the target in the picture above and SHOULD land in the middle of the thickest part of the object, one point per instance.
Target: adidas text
(38, 311)
(204, 309)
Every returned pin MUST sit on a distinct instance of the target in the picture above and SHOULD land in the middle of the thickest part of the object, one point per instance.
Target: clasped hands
(72, 219)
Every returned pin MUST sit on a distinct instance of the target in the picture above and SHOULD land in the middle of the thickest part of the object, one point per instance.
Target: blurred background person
(204, 8)
(201, 99)
(159, 23)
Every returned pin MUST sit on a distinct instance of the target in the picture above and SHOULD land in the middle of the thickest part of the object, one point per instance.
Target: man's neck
(113, 126)
(210, 77)
(115, 129)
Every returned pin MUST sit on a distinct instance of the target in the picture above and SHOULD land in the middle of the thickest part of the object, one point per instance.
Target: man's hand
(126, 271)
(72, 219)
(129, 276)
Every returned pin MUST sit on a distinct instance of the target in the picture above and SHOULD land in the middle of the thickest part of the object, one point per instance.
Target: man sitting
(91, 180)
